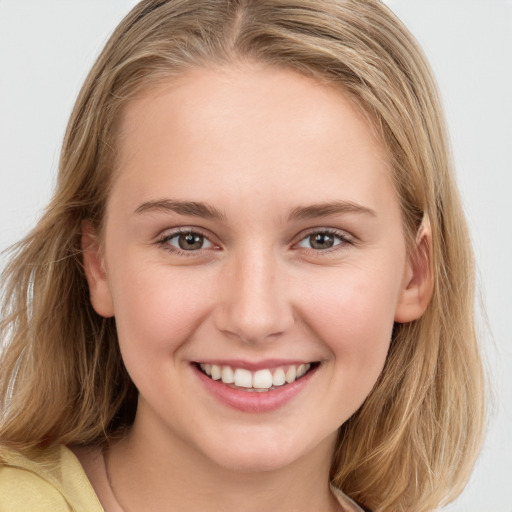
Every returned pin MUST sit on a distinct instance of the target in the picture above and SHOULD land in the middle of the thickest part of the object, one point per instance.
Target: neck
(155, 472)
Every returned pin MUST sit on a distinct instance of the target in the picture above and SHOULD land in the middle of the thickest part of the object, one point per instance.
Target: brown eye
(323, 240)
(190, 241)
(187, 241)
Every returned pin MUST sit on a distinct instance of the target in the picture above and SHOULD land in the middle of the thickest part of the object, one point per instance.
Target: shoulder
(44, 480)
(24, 491)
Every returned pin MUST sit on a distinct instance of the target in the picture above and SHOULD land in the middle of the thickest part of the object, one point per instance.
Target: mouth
(260, 381)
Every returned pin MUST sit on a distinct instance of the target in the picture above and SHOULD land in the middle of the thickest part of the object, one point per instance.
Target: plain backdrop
(47, 47)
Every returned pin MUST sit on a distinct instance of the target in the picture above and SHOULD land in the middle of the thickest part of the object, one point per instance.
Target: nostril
(252, 306)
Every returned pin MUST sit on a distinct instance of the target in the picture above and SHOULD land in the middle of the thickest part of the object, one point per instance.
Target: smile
(262, 380)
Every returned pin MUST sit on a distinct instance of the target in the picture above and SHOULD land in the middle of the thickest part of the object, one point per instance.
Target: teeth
(215, 372)
(243, 378)
(260, 381)
(227, 375)
(291, 374)
(207, 368)
(279, 378)
(302, 369)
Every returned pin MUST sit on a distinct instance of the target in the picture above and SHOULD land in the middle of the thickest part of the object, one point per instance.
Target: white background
(47, 47)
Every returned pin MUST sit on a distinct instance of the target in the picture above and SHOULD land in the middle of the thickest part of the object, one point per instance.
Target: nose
(254, 305)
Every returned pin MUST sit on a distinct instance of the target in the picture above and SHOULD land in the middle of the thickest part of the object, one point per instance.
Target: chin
(257, 455)
(248, 453)
(260, 462)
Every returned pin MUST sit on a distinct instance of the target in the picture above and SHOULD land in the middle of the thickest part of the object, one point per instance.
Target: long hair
(412, 444)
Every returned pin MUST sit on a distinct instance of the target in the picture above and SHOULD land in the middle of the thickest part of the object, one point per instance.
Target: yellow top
(50, 480)
(53, 480)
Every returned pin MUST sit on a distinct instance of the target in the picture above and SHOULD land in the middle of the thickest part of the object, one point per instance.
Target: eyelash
(165, 239)
(342, 237)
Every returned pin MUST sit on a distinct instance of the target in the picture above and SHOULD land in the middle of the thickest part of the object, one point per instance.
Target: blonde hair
(412, 444)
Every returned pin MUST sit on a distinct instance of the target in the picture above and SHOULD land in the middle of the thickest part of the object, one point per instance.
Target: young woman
(253, 286)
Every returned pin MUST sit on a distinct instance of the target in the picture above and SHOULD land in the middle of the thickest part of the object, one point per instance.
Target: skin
(256, 144)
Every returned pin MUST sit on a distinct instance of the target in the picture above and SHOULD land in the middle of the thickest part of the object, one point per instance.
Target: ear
(418, 280)
(99, 291)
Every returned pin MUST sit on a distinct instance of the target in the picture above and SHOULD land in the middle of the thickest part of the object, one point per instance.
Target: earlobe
(99, 291)
(418, 280)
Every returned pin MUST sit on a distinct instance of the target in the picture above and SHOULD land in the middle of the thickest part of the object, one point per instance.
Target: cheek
(353, 318)
(156, 309)
(352, 312)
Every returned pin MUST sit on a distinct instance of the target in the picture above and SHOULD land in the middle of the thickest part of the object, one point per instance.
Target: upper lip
(255, 365)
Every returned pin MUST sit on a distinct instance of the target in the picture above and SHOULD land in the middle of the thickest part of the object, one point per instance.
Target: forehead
(252, 126)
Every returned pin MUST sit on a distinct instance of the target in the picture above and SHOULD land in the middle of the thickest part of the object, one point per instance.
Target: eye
(323, 240)
(187, 241)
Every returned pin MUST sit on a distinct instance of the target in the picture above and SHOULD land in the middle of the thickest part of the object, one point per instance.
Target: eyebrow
(199, 209)
(326, 209)
(192, 208)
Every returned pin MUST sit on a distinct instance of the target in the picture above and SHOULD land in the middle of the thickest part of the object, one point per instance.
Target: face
(255, 262)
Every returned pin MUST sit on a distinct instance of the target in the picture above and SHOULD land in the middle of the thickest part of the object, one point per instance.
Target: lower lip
(254, 402)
